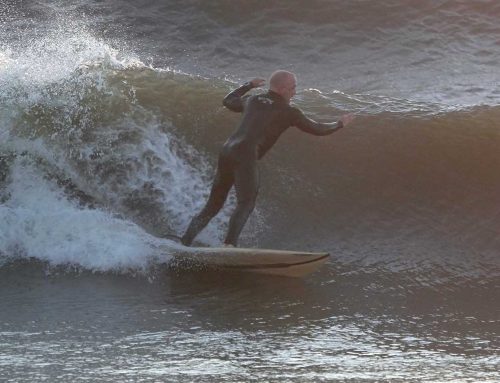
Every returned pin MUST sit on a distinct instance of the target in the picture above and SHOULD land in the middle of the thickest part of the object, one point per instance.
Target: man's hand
(256, 82)
(346, 119)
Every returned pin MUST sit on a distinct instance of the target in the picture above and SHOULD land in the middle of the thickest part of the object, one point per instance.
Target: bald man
(265, 117)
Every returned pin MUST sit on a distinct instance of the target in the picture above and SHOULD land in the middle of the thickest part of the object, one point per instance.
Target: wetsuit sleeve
(307, 125)
(234, 101)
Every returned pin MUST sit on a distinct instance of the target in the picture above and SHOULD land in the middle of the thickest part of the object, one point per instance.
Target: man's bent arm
(234, 100)
(312, 127)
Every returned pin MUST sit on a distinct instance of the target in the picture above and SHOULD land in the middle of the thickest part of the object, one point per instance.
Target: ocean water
(110, 124)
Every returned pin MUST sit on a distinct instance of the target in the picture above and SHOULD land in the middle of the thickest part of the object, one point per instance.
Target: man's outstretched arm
(234, 100)
(310, 126)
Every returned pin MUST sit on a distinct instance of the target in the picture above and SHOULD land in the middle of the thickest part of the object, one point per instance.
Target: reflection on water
(207, 326)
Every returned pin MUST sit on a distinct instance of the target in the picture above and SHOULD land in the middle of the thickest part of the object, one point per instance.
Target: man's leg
(246, 183)
(223, 181)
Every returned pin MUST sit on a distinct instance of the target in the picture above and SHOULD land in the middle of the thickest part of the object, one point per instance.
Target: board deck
(265, 261)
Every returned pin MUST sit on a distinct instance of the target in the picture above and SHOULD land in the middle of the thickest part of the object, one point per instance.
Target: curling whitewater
(52, 105)
(39, 222)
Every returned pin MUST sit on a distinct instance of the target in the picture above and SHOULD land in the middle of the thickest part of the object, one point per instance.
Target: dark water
(110, 123)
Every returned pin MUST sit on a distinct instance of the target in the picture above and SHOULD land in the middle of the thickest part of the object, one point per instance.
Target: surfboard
(264, 261)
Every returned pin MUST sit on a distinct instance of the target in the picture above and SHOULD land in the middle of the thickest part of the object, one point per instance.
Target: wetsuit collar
(275, 96)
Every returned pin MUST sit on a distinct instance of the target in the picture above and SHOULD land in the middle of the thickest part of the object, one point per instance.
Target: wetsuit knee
(213, 206)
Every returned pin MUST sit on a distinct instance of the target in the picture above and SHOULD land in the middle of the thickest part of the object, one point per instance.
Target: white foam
(39, 221)
(55, 73)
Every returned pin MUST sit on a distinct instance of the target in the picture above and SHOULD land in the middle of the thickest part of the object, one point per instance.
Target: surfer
(265, 117)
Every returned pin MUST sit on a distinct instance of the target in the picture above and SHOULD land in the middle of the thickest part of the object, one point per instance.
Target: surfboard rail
(264, 261)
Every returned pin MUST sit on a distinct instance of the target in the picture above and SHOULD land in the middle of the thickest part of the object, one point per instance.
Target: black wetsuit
(265, 117)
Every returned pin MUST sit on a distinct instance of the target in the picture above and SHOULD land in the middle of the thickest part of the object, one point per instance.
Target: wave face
(116, 137)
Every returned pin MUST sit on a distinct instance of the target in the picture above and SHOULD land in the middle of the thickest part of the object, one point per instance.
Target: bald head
(280, 78)
(283, 83)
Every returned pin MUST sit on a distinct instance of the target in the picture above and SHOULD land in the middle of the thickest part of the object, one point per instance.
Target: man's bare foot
(228, 245)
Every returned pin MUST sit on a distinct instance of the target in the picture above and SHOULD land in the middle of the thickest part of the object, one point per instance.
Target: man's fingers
(256, 82)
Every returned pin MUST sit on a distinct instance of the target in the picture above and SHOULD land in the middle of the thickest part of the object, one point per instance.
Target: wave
(101, 154)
